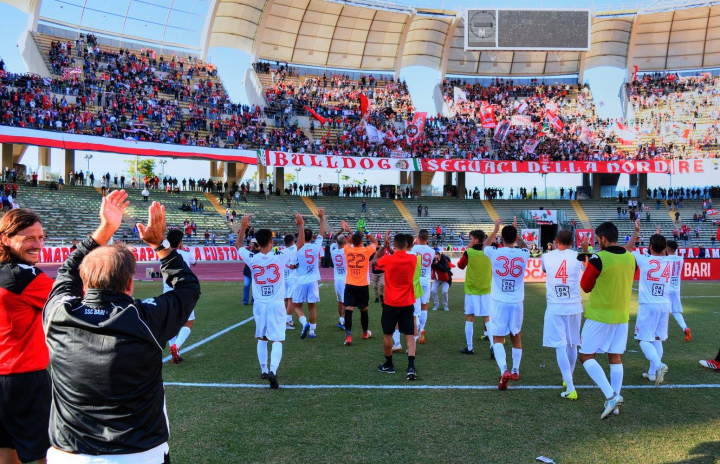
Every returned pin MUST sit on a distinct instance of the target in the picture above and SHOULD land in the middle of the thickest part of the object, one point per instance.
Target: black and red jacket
(23, 292)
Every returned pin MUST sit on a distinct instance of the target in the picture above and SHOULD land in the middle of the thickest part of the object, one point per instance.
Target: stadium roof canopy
(387, 36)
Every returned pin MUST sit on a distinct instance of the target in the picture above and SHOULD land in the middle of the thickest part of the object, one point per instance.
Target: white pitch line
(426, 387)
(211, 337)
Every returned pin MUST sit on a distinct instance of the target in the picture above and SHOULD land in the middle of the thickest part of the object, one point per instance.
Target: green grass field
(240, 424)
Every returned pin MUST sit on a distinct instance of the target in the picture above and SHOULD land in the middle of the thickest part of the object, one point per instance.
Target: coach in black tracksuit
(106, 347)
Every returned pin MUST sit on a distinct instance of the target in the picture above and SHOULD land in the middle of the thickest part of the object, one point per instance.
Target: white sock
(572, 354)
(500, 358)
(659, 348)
(275, 356)
(342, 321)
(312, 328)
(396, 337)
(516, 357)
(598, 375)
(651, 354)
(182, 336)
(445, 300)
(423, 320)
(564, 365)
(680, 320)
(172, 341)
(262, 355)
(288, 319)
(469, 335)
(302, 320)
(616, 377)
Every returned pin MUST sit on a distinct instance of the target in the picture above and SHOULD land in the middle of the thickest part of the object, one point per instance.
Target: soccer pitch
(333, 405)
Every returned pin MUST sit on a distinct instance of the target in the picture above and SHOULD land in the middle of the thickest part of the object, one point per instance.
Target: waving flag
(530, 145)
(502, 131)
(487, 117)
(554, 120)
(374, 135)
(414, 130)
(364, 104)
(459, 95)
(520, 106)
(626, 134)
(315, 115)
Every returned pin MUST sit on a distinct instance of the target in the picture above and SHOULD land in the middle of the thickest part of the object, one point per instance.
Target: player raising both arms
(174, 237)
(357, 281)
(651, 325)
(508, 293)
(427, 255)
(337, 254)
(675, 304)
(307, 275)
(268, 281)
(477, 288)
(608, 277)
(563, 316)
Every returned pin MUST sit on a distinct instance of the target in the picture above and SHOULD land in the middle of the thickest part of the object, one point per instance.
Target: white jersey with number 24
(655, 274)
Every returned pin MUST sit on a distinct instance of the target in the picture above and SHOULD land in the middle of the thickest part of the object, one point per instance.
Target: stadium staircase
(490, 210)
(580, 213)
(406, 215)
(310, 205)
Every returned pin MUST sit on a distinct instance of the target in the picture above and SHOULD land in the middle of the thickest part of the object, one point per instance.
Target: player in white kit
(563, 315)
(508, 293)
(268, 281)
(651, 325)
(307, 275)
(289, 274)
(175, 237)
(675, 304)
(427, 254)
(337, 255)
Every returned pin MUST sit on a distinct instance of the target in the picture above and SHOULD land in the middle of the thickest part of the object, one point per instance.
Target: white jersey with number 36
(562, 283)
(268, 280)
(427, 254)
(655, 274)
(508, 273)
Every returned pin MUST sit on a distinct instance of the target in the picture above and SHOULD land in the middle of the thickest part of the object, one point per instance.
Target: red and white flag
(502, 131)
(530, 145)
(554, 120)
(520, 106)
(626, 134)
(711, 212)
(415, 130)
(487, 117)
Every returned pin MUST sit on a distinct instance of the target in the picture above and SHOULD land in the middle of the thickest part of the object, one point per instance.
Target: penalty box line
(210, 338)
(428, 387)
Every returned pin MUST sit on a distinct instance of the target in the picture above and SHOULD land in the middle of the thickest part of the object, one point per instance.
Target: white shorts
(437, 285)
(675, 304)
(559, 331)
(192, 316)
(289, 288)
(478, 305)
(306, 293)
(417, 307)
(599, 337)
(269, 320)
(505, 318)
(652, 322)
(340, 289)
(425, 299)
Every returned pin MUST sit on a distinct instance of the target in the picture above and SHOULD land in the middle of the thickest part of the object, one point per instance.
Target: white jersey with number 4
(655, 274)
(427, 254)
(307, 259)
(676, 263)
(338, 259)
(562, 284)
(268, 280)
(508, 273)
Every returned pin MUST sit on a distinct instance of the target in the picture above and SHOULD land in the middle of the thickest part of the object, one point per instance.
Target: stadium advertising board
(544, 216)
(125, 147)
(282, 159)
